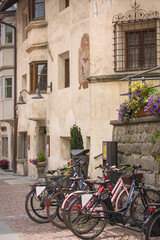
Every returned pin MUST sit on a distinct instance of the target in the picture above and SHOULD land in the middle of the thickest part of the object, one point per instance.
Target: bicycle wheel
(67, 204)
(121, 199)
(87, 221)
(34, 207)
(153, 228)
(53, 210)
(139, 202)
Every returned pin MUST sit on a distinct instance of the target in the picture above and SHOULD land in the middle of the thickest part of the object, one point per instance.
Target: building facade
(75, 52)
(7, 84)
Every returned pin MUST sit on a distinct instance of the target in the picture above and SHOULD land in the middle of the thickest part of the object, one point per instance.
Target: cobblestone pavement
(12, 214)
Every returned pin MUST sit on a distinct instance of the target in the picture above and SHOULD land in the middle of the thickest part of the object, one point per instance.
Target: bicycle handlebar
(127, 165)
(99, 166)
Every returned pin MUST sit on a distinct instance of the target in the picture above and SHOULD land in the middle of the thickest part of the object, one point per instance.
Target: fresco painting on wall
(84, 61)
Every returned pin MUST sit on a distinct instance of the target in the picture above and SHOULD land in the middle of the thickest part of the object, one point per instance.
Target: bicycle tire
(36, 214)
(137, 206)
(154, 220)
(67, 204)
(121, 199)
(53, 210)
(83, 223)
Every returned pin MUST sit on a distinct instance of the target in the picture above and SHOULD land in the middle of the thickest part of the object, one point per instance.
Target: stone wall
(139, 142)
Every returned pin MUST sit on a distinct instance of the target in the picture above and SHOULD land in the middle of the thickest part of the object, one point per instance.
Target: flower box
(143, 113)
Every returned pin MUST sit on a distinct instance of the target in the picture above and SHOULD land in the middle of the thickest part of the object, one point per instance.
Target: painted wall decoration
(84, 61)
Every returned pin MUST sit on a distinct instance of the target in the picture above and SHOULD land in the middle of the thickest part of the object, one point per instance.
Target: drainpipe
(15, 120)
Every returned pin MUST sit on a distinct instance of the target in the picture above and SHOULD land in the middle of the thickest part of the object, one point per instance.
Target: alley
(16, 225)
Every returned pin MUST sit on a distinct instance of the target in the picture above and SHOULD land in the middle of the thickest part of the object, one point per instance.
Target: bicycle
(89, 212)
(53, 204)
(118, 193)
(151, 226)
(41, 191)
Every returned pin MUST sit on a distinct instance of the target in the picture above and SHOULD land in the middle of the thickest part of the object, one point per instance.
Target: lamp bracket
(25, 91)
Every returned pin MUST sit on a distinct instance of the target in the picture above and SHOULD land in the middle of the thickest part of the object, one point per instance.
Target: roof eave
(7, 4)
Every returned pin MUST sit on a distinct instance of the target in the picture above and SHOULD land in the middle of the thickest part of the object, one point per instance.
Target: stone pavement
(16, 225)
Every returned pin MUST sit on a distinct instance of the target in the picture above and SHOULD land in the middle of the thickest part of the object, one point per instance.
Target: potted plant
(41, 160)
(4, 163)
(40, 163)
(138, 100)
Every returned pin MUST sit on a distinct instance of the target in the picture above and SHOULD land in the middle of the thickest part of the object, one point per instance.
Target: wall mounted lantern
(37, 94)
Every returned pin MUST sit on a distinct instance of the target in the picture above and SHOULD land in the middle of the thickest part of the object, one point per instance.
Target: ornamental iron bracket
(135, 14)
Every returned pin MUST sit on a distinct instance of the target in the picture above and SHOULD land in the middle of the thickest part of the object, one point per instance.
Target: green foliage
(156, 134)
(76, 137)
(158, 159)
(41, 157)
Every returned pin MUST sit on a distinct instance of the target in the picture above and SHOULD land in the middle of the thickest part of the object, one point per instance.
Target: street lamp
(37, 94)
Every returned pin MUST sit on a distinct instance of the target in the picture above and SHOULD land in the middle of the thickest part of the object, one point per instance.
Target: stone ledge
(37, 46)
(136, 120)
(115, 77)
(36, 24)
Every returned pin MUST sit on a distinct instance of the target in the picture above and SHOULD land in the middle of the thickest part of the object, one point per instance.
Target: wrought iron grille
(136, 40)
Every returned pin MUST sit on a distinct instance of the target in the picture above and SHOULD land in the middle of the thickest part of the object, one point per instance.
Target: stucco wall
(105, 87)
(63, 107)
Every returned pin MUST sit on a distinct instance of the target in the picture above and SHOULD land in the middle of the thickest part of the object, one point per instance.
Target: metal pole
(15, 120)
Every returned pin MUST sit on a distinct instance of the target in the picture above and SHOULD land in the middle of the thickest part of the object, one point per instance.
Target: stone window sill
(36, 25)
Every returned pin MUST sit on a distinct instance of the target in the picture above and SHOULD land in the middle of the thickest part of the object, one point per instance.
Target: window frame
(32, 4)
(34, 79)
(3, 34)
(3, 87)
(141, 46)
(5, 146)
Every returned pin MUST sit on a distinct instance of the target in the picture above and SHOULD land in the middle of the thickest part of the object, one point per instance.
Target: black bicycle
(151, 225)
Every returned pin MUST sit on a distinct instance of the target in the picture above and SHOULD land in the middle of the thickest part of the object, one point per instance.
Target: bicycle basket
(127, 179)
(113, 177)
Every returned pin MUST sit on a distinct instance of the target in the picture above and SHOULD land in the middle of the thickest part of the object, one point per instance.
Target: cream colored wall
(105, 95)
(63, 107)
(92, 108)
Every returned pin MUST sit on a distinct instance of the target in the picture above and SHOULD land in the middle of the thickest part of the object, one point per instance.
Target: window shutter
(48, 146)
(28, 142)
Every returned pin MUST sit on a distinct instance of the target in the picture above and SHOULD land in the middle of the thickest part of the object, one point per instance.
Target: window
(63, 4)
(38, 76)
(67, 78)
(5, 146)
(36, 9)
(64, 70)
(141, 49)
(136, 39)
(22, 145)
(136, 46)
(7, 34)
(1, 87)
(8, 87)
